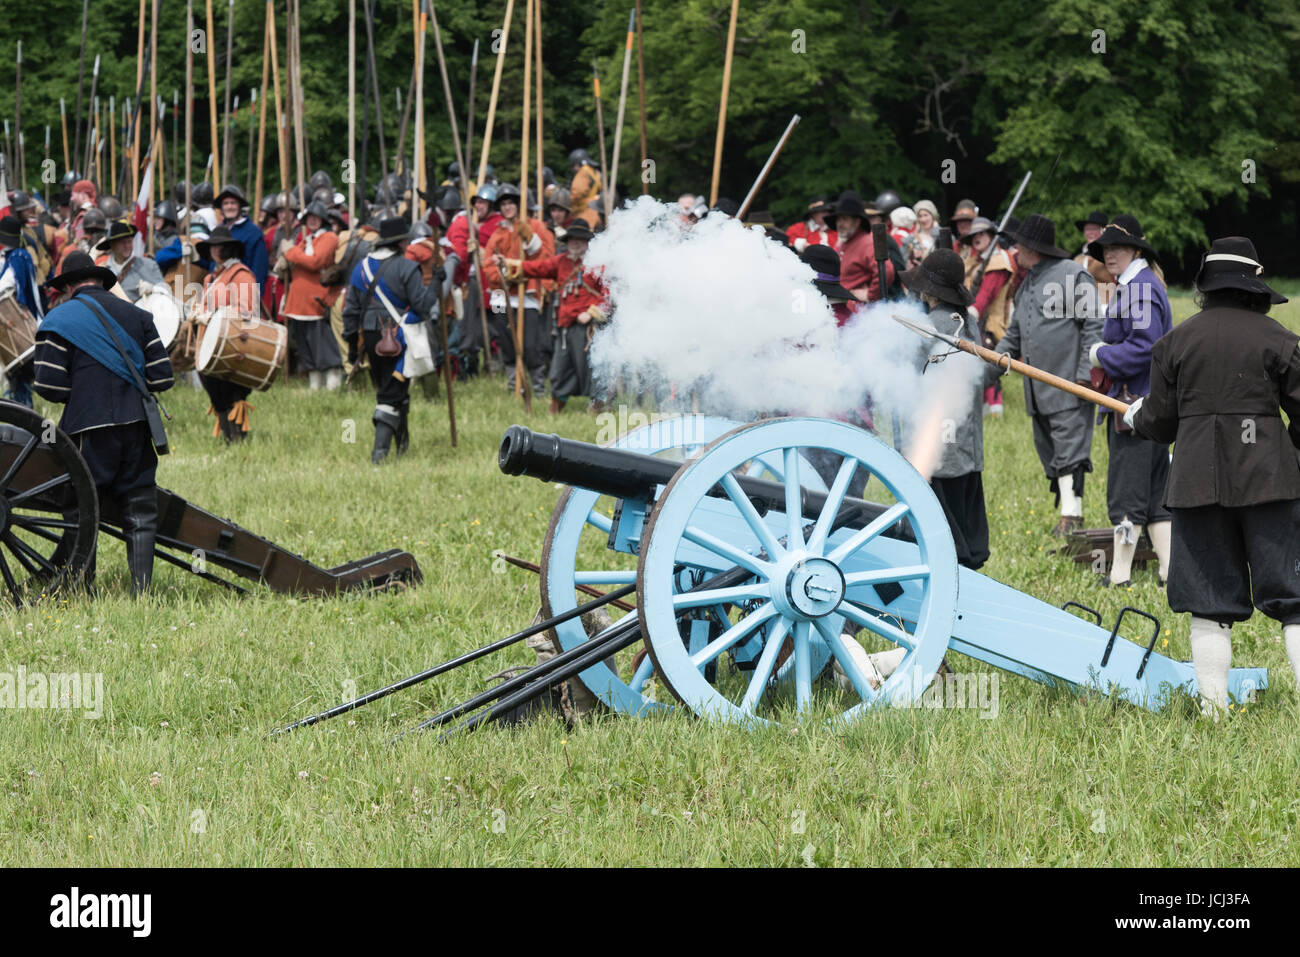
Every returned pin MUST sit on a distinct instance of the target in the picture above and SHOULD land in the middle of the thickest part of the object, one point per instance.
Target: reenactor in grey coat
(957, 478)
(1218, 382)
(1055, 322)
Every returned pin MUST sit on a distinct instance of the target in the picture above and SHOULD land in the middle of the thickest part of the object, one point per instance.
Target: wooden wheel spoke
(26, 554)
(33, 522)
(19, 460)
(41, 489)
(10, 582)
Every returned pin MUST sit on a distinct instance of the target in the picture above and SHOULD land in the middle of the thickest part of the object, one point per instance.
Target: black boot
(404, 431)
(140, 526)
(387, 421)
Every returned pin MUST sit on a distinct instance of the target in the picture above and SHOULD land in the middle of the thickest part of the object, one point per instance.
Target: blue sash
(75, 322)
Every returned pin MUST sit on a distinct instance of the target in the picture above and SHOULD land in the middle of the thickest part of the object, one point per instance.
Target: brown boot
(556, 406)
(1067, 524)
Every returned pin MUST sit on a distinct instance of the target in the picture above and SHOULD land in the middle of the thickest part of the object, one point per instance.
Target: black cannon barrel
(625, 474)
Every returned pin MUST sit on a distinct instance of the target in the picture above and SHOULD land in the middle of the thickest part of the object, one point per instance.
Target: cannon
(819, 565)
(754, 573)
(50, 518)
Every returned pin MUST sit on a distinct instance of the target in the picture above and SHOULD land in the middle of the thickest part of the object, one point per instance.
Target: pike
(81, 75)
(352, 109)
(94, 88)
(600, 121)
(523, 375)
(640, 96)
(767, 168)
(722, 104)
(469, 109)
(212, 97)
(379, 114)
(63, 122)
(492, 100)
(993, 244)
(418, 173)
(18, 117)
(248, 166)
(227, 150)
(618, 126)
(476, 284)
(1005, 362)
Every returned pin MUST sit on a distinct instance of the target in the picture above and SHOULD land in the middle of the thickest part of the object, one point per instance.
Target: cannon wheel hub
(808, 587)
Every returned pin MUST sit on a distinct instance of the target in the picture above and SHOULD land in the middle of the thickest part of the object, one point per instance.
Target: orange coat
(305, 286)
(234, 286)
(507, 242)
(582, 191)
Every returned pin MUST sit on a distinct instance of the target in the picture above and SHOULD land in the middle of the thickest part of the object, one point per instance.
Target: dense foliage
(1156, 116)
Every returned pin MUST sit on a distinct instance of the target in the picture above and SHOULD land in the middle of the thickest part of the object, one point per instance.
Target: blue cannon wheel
(807, 590)
(574, 554)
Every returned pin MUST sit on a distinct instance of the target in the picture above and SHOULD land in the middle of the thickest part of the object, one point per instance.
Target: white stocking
(1212, 657)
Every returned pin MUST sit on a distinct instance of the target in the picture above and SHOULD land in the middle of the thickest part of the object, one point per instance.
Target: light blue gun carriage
(753, 571)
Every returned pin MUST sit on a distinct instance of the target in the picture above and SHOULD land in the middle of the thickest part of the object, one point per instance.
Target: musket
(1005, 362)
(987, 255)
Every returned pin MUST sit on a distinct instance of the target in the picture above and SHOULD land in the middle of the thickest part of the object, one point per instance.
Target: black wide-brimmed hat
(1232, 263)
(942, 275)
(1095, 218)
(1038, 233)
(826, 263)
(79, 267)
(117, 229)
(11, 230)
(392, 230)
(1124, 230)
(850, 204)
(221, 236)
(578, 229)
(820, 204)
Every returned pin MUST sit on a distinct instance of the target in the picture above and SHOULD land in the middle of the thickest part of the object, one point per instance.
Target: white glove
(1132, 411)
(145, 287)
(800, 244)
(974, 314)
(1092, 355)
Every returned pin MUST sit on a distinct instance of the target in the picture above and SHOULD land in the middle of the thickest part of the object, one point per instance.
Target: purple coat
(1136, 318)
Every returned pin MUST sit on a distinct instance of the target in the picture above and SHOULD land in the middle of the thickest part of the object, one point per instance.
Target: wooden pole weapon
(722, 105)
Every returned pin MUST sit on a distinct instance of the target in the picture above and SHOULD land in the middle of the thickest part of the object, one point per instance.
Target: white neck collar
(1135, 267)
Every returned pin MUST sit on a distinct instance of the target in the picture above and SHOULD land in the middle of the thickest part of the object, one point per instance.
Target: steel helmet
(316, 208)
(887, 202)
(230, 189)
(94, 221)
(507, 191)
(110, 207)
(272, 202)
(488, 192)
(166, 211)
(202, 194)
(320, 180)
(421, 230)
(579, 158)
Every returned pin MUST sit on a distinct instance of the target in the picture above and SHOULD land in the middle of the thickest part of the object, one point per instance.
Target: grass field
(179, 770)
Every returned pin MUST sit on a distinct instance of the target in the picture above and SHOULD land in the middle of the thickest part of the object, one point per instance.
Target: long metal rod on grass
(461, 660)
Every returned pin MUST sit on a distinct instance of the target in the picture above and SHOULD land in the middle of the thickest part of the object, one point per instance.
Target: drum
(185, 346)
(242, 350)
(17, 332)
(166, 314)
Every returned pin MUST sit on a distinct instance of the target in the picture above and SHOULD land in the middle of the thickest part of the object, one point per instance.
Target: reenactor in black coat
(1217, 382)
(103, 410)
(386, 289)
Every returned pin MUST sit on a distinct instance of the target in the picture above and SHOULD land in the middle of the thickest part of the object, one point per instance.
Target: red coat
(858, 266)
(580, 289)
(507, 242)
(305, 287)
(458, 237)
(814, 237)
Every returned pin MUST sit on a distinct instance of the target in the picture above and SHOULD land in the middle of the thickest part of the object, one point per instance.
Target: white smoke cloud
(720, 311)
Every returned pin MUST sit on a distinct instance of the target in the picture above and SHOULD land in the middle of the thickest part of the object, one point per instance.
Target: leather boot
(403, 431)
(387, 421)
(140, 526)
(556, 406)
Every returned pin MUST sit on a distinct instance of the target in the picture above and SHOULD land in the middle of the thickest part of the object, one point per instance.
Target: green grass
(179, 770)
